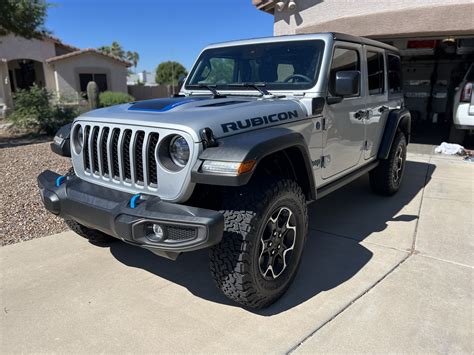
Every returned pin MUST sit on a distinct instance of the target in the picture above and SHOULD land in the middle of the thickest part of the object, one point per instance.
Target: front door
(344, 134)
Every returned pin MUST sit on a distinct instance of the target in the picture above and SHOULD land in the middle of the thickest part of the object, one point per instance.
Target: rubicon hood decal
(163, 105)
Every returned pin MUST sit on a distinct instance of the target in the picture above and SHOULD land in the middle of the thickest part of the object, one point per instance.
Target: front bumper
(186, 228)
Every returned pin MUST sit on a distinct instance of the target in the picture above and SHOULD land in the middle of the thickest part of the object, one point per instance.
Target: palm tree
(134, 58)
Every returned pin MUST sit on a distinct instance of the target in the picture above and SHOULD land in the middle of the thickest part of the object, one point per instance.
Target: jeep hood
(225, 116)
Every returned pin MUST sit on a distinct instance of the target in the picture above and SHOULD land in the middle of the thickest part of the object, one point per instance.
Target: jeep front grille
(125, 155)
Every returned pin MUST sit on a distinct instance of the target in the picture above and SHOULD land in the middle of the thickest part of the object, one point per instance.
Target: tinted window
(343, 60)
(281, 66)
(376, 73)
(394, 74)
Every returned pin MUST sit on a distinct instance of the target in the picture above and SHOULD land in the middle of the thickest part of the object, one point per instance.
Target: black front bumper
(186, 228)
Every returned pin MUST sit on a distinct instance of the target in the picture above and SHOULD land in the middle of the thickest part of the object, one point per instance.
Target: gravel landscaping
(22, 215)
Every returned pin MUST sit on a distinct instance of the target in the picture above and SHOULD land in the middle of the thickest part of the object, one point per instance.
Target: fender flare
(400, 118)
(256, 146)
(61, 143)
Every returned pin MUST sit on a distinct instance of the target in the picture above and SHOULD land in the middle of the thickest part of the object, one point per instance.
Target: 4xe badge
(258, 121)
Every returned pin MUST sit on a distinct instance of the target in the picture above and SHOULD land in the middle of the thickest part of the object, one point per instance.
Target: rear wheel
(387, 177)
(265, 232)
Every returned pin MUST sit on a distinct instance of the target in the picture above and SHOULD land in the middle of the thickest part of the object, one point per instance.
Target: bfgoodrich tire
(387, 177)
(265, 232)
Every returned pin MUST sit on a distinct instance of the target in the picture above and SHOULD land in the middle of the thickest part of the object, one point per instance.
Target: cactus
(93, 95)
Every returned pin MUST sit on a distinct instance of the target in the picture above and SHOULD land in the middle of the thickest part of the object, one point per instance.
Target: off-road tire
(235, 261)
(387, 177)
(93, 235)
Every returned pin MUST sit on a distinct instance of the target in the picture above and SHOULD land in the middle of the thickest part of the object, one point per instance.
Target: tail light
(466, 93)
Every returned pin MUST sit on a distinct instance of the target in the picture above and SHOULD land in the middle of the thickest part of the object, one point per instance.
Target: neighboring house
(142, 78)
(435, 38)
(63, 69)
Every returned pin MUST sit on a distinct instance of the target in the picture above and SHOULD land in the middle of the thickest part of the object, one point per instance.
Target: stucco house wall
(374, 18)
(56, 67)
(66, 73)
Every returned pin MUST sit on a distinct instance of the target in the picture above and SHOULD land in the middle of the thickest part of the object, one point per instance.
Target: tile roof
(88, 50)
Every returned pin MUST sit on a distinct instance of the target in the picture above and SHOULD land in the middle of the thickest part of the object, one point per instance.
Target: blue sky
(158, 30)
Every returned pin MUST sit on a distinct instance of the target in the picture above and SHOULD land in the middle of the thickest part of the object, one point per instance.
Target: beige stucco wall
(378, 18)
(66, 73)
(13, 47)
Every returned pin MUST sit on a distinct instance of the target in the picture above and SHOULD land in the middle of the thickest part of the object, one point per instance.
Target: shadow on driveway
(352, 212)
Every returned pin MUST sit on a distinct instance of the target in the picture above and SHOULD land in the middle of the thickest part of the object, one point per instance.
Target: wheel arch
(264, 146)
(398, 120)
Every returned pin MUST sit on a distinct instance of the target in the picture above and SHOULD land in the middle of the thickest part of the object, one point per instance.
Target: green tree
(23, 18)
(169, 72)
(114, 49)
(133, 57)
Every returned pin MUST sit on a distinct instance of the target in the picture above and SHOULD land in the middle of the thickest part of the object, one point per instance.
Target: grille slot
(123, 155)
(95, 155)
(85, 152)
(139, 140)
(115, 157)
(152, 171)
(103, 151)
(127, 136)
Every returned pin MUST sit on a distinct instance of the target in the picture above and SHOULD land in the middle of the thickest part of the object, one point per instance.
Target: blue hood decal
(163, 105)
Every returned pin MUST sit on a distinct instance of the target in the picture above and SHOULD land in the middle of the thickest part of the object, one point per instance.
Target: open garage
(436, 41)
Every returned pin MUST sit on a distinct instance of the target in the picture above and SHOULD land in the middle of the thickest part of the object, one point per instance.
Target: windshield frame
(188, 87)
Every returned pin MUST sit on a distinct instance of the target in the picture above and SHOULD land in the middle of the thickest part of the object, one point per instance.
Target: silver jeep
(260, 129)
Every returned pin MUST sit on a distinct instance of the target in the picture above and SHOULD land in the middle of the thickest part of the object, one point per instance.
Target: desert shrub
(33, 111)
(110, 98)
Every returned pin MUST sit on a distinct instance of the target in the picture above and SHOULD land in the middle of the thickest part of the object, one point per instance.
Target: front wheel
(264, 237)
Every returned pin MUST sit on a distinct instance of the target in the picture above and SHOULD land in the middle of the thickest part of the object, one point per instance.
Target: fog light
(157, 234)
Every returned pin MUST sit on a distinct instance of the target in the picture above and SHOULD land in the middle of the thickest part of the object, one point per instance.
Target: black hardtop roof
(363, 40)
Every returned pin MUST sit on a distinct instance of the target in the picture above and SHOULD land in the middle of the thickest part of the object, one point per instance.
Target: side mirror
(347, 83)
(61, 143)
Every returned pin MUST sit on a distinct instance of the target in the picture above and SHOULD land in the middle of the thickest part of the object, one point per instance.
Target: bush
(32, 110)
(110, 98)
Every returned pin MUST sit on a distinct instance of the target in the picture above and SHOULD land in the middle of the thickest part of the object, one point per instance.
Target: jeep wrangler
(260, 129)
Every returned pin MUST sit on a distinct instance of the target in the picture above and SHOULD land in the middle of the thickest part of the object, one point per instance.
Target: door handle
(383, 108)
(360, 114)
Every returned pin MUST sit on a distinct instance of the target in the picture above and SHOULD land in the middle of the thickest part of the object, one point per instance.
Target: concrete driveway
(378, 275)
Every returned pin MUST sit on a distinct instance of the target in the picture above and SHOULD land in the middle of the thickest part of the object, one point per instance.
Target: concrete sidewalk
(378, 275)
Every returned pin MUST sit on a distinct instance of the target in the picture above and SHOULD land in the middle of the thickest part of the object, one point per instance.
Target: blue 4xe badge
(258, 121)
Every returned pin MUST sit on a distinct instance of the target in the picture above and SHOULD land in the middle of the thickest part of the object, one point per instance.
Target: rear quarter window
(394, 74)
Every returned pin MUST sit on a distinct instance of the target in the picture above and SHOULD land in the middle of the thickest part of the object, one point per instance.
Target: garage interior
(432, 72)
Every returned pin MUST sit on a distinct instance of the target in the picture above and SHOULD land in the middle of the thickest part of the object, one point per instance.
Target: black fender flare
(399, 118)
(61, 143)
(254, 145)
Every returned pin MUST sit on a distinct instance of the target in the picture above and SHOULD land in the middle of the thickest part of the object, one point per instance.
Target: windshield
(280, 66)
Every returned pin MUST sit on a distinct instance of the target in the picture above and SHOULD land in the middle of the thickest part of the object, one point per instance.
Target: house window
(376, 72)
(100, 80)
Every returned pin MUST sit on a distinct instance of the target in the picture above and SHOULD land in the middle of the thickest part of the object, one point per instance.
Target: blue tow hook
(60, 180)
(133, 200)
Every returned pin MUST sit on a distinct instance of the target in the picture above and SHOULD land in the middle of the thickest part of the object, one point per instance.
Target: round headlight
(77, 139)
(179, 151)
(80, 136)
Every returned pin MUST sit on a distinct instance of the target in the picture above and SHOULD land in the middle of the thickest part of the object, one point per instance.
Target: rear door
(377, 99)
(344, 132)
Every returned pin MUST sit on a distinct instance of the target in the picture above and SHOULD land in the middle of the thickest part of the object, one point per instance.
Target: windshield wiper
(260, 87)
(211, 88)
